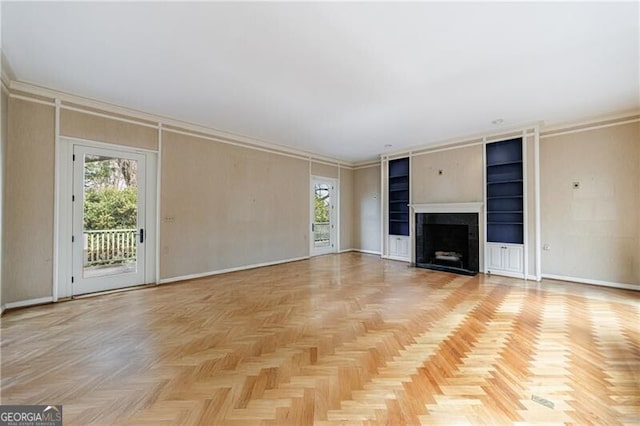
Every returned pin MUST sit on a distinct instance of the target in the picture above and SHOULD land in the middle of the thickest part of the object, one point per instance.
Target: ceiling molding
(6, 72)
(167, 122)
(592, 123)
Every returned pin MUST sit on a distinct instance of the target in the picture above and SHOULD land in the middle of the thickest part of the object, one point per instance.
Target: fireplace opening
(447, 242)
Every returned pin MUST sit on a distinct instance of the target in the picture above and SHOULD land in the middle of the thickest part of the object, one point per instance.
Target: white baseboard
(360, 251)
(224, 271)
(593, 282)
(533, 278)
(507, 274)
(28, 302)
(367, 251)
(401, 259)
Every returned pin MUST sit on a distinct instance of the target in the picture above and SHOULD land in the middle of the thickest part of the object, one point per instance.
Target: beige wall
(368, 217)
(325, 170)
(460, 181)
(28, 217)
(100, 129)
(346, 209)
(4, 104)
(224, 206)
(593, 231)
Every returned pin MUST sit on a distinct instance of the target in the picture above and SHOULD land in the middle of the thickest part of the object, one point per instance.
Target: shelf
(505, 181)
(499, 197)
(505, 163)
(398, 192)
(504, 196)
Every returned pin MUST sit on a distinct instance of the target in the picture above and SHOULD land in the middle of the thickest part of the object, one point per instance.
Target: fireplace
(447, 242)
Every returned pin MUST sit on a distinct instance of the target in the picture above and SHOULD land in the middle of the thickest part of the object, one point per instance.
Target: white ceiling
(338, 79)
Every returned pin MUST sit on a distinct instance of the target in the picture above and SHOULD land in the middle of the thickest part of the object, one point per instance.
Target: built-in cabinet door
(513, 259)
(504, 258)
(494, 256)
(399, 247)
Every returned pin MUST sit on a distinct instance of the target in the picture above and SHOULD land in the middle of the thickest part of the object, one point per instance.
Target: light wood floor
(344, 339)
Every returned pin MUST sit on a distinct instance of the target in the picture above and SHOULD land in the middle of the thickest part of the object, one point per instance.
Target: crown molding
(167, 123)
(592, 123)
(528, 129)
(6, 72)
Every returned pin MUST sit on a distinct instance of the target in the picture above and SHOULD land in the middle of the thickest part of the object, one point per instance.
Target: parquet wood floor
(338, 339)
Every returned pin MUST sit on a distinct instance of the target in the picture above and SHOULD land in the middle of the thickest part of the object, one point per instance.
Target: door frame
(64, 169)
(333, 216)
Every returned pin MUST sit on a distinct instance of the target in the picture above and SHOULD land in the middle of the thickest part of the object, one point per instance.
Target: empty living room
(297, 213)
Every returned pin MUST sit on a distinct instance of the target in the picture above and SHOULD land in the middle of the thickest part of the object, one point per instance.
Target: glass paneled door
(108, 219)
(323, 221)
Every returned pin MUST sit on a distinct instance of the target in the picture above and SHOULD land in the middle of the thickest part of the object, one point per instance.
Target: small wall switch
(575, 185)
(546, 247)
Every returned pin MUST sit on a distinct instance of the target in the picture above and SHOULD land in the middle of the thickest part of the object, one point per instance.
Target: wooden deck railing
(109, 246)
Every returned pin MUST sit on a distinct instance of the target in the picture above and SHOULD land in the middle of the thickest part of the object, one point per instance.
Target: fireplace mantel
(447, 208)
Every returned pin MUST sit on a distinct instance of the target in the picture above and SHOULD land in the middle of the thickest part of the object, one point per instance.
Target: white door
(323, 216)
(108, 242)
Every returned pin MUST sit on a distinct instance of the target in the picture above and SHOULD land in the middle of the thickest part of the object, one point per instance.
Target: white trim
(5, 86)
(366, 165)
(592, 123)
(63, 222)
(399, 259)
(325, 162)
(536, 192)
(592, 282)
(225, 271)
(158, 203)
(590, 128)
(384, 173)
(427, 151)
(110, 117)
(56, 202)
(367, 251)
(151, 218)
(412, 217)
(107, 145)
(466, 141)
(531, 278)
(475, 207)
(507, 274)
(359, 251)
(28, 302)
(7, 73)
(34, 100)
(484, 213)
(338, 214)
(242, 145)
(222, 135)
(2, 308)
(525, 206)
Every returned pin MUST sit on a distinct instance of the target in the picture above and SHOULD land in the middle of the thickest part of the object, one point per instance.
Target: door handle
(313, 227)
(141, 235)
